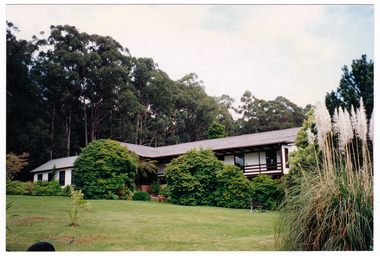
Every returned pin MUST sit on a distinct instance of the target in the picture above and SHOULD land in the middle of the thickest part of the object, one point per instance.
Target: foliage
(216, 130)
(259, 115)
(103, 168)
(78, 204)
(267, 191)
(165, 192)
(15, 163)
(234, 189)
(156, 187)
(303, 160)
(141, 196)
(145, 167)
(192, 178)
(47, 188)
(333, 208)
(355, 84)
(26, 126)
(39, 188)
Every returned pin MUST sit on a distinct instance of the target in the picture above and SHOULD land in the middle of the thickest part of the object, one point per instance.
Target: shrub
(40, 188)
(47, 188)
(234, 189)
(165, 192)
(103, 169)
(66, 191)
(156, 187)
(141, 196)
(191, 177)
(267, 191)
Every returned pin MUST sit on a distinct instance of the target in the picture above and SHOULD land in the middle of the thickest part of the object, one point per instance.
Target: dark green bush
(156, 187)
(267, 191)
(141, 196)
(192, 177)
(103, 169)
(234, 190)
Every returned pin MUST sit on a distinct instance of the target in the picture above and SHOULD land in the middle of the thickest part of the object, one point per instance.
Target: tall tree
(355, 84)
(259, 115)
(26, 125)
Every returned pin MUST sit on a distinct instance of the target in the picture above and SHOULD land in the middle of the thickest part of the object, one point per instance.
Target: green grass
(113, 225)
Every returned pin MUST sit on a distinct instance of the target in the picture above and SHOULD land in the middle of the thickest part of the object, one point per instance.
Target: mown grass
(113, 225)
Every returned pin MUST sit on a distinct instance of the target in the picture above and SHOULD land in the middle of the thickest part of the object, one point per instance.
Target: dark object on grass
(41, 246)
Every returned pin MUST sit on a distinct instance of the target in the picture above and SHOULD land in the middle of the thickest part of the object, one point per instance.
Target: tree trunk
(85, 120)
(52, 131)
(68, 132)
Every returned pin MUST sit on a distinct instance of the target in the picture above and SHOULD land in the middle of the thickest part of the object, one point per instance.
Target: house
(257, 153)
(63, 167)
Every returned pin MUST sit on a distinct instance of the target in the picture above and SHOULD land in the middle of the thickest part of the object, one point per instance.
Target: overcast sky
(295, 51)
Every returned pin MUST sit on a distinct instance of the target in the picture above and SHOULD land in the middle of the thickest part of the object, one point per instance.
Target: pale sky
(295, 51)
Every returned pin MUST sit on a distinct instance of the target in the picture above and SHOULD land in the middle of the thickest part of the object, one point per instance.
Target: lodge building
(256, 153)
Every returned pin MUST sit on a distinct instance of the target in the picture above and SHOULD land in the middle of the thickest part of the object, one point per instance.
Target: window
(271, 159)
(62, 178)
(239, 160)
(220, 157)
(39, 176)
(50, 176)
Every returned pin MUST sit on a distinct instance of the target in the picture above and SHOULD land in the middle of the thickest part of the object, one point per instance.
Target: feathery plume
(353, 118)
(322, 122)
(342, 127)
(371, 132)
(361, 122)
(310, 136)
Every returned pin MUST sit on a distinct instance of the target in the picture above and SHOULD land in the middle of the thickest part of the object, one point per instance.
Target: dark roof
(242, 141)
(248, 140)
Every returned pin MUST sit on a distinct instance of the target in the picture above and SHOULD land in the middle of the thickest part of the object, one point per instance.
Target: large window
(39, 177)
(271, 159)
(239, 160)
(62, 178)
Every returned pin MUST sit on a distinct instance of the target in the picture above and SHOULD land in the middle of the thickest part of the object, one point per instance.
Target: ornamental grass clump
(333, 207)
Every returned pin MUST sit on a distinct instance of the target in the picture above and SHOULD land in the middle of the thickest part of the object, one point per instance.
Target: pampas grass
(333, 208)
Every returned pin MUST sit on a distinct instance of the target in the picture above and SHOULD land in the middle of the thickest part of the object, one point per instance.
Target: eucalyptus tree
(26, 126)
(108, 74)
(355, 84)
(259, 115)
(58, 71)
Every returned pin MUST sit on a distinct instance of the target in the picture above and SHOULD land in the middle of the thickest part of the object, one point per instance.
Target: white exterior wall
(45, 176)
(229, 160)
(290, 147)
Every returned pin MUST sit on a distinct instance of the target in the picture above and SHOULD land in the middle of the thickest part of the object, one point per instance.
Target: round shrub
(267, 191)
(141, 196)
(192, 179)
(234, 189)
(103, 169)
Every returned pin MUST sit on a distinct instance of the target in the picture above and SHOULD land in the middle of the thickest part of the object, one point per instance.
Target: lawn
(118, 225)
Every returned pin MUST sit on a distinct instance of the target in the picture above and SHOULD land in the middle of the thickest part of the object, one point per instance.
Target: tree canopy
(355, 84)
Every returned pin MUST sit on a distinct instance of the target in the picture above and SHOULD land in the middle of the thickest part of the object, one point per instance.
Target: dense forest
(68, 88)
